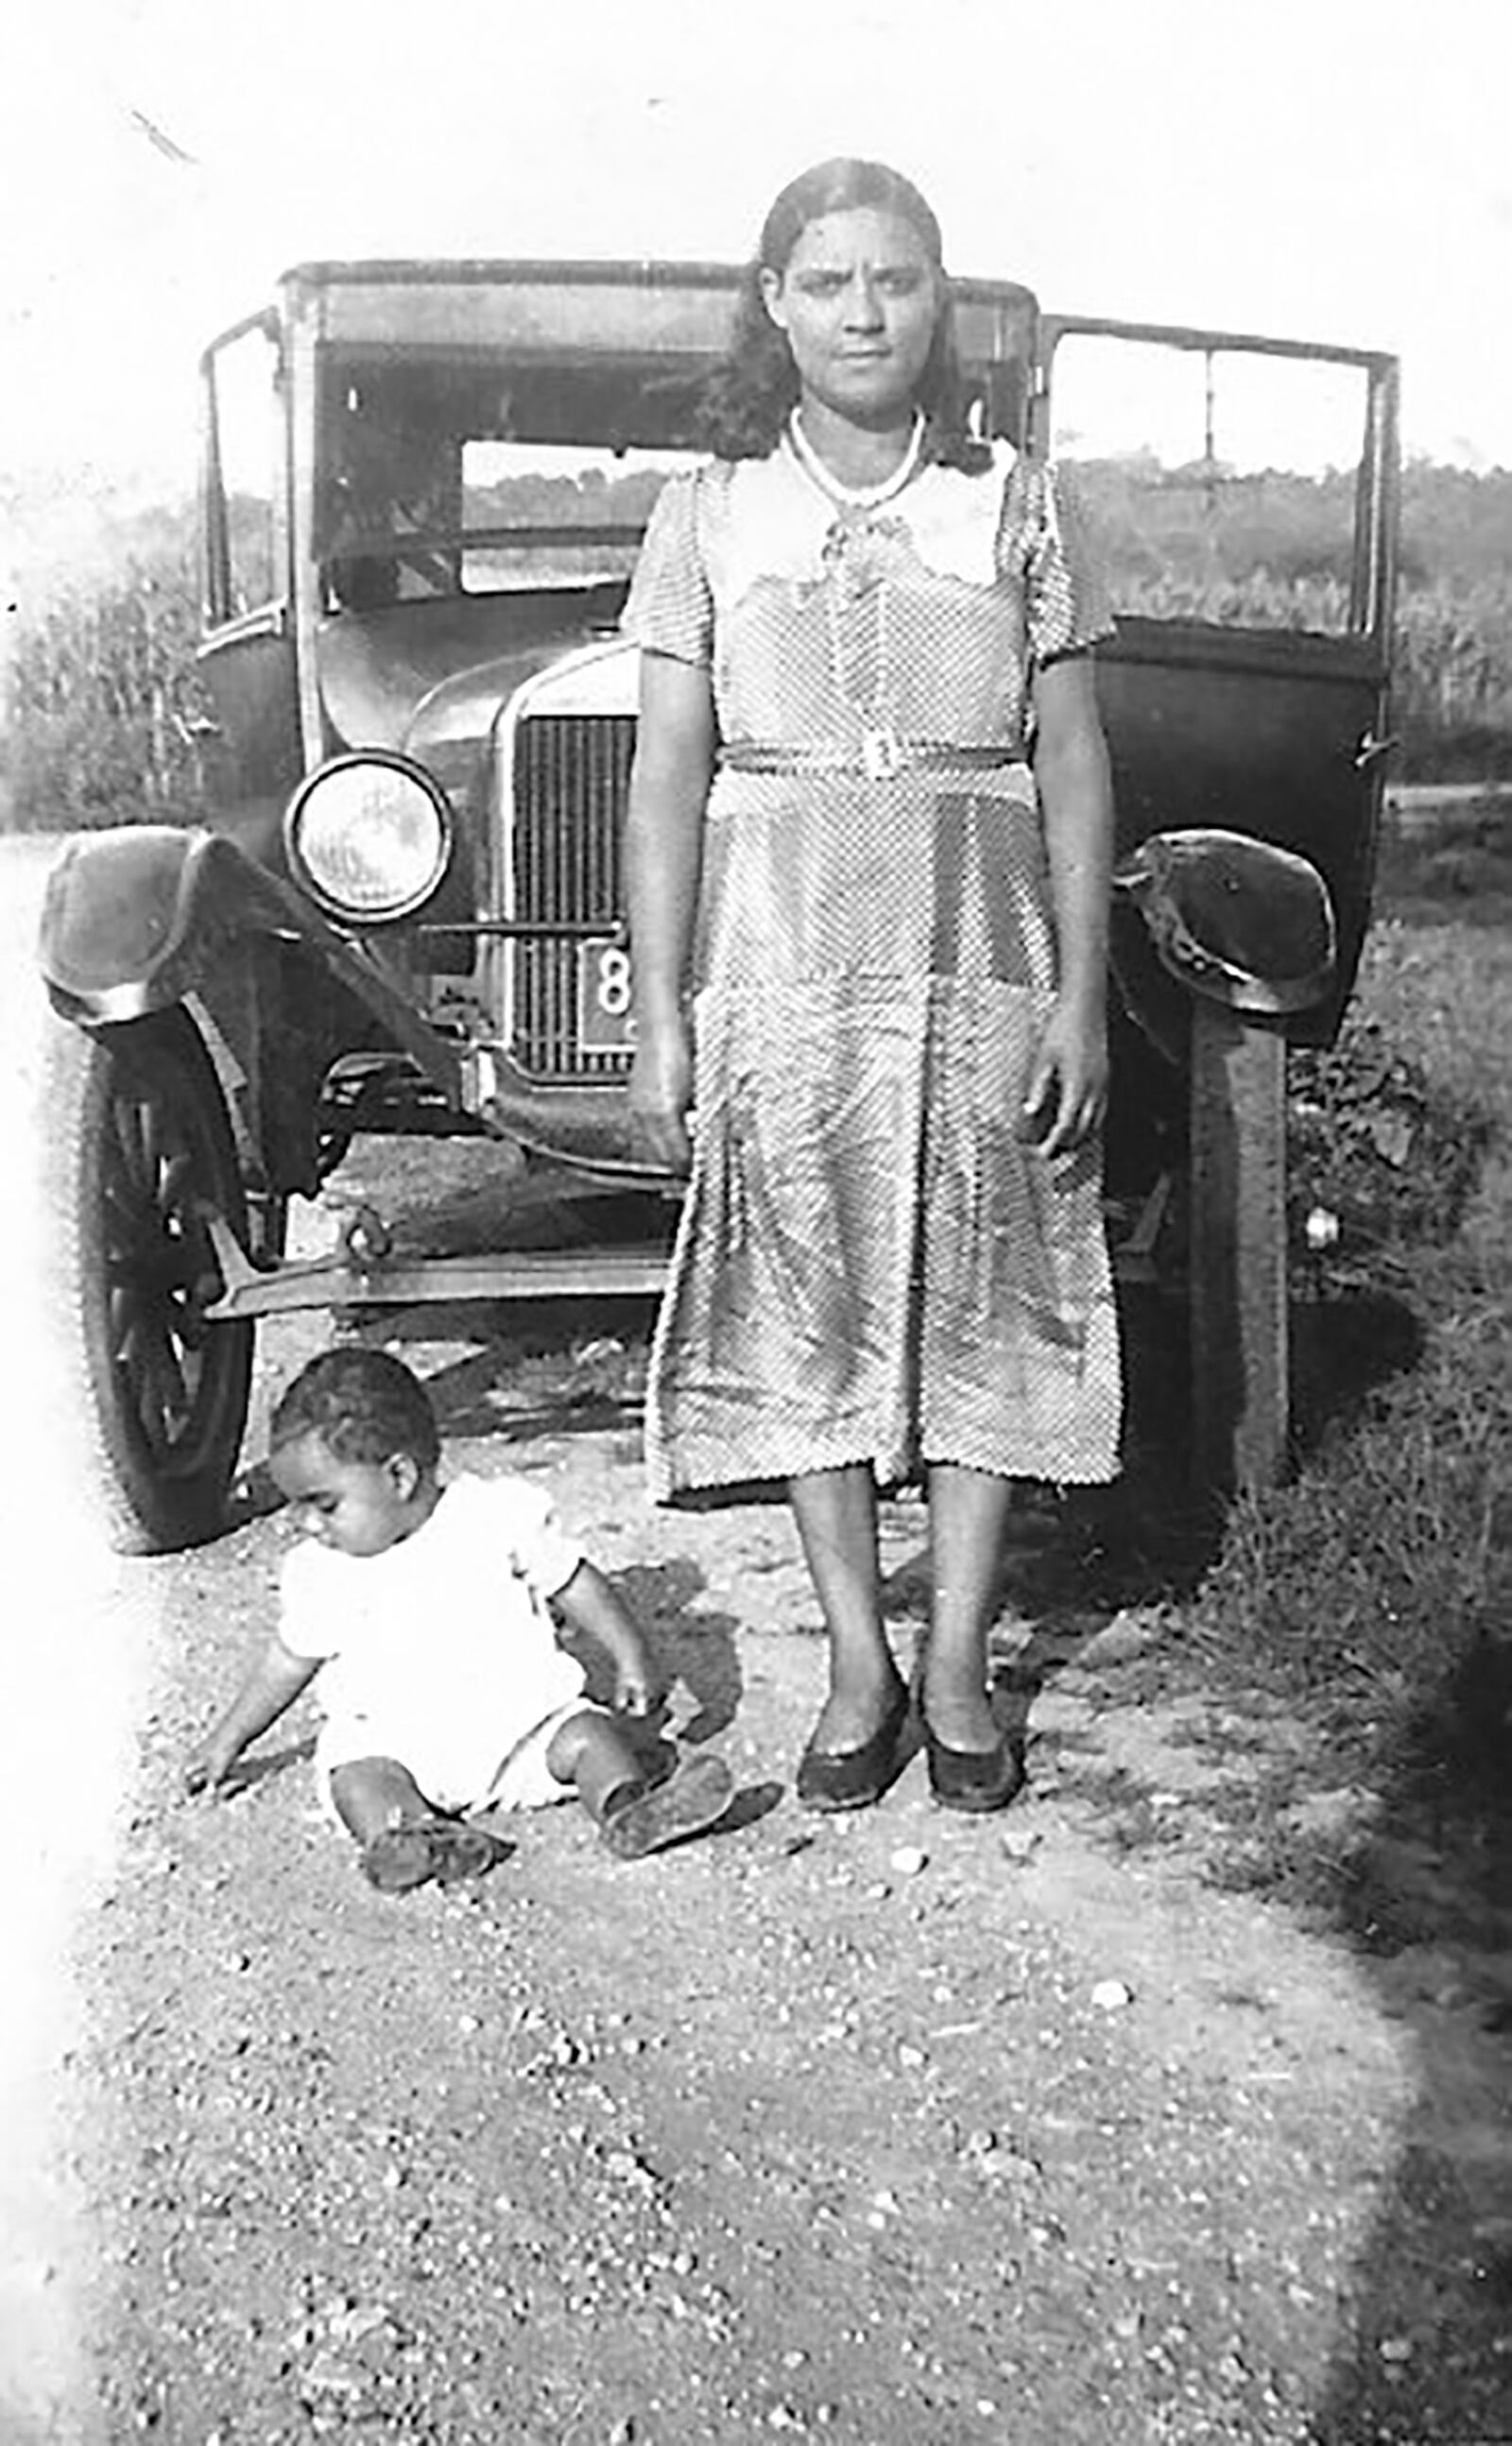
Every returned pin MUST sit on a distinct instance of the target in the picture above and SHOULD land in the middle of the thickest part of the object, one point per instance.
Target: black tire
(137, 1138)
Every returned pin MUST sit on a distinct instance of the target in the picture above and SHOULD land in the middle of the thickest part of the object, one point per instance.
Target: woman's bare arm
(664, 848)
(1068, 1087)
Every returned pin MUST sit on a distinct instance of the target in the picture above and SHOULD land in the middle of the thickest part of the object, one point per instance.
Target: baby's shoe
(398, 1858)
(640, 1819)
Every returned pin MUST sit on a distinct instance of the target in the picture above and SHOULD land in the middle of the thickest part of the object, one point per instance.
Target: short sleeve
(527, 1525)
(670, 609)
(1066, 606)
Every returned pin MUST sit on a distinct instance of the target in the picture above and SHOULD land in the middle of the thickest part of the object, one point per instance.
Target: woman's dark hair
(363, 1404)
(749, 398)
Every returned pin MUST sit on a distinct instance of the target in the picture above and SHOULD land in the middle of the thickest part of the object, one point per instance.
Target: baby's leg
(635, 1814)
(372, 1792)
(592, 1754)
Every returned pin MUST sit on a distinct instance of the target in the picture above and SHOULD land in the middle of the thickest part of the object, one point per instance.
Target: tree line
(103, 706)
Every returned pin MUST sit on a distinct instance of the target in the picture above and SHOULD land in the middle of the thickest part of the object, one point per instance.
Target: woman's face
(858, 300)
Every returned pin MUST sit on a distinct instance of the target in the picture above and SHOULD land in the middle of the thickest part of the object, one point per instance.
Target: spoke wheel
(139, 1145)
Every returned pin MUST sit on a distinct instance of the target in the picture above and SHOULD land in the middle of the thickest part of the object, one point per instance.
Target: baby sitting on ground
(426, 1608)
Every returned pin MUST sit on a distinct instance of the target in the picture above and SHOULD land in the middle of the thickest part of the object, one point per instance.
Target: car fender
(141, 917)
(1223, 917)
(134, 918)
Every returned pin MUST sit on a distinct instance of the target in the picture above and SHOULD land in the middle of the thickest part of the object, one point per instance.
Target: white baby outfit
(441, 1651)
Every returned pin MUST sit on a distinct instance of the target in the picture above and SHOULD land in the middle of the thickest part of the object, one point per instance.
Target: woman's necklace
(880, 744)
(855, 497)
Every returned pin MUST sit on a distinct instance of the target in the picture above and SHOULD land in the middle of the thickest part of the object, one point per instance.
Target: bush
(1372, 1591)
(102, 699)
(1453, 682)
(1373, 1144)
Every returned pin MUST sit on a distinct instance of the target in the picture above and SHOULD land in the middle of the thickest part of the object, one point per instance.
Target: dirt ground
(897, 2130)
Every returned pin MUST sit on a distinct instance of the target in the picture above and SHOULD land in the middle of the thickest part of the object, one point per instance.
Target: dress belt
(880, 755)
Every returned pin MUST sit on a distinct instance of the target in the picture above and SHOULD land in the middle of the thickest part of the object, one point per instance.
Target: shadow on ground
(695, 1647)
(1423, 1894)
(1422, 1891)
(1416, 1878)
(1344, 1347)
(1419, 1885)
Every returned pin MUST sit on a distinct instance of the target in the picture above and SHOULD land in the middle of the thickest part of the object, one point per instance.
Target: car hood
(436, 676)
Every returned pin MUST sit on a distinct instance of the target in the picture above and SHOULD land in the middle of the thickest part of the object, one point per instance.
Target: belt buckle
(881, 753)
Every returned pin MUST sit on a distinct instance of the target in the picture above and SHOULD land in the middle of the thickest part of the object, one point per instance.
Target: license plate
(604, 997)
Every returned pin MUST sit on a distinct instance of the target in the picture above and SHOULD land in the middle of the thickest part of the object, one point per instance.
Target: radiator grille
(571, 773)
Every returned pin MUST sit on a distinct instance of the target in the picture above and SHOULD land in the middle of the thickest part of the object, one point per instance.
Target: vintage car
(424, 486)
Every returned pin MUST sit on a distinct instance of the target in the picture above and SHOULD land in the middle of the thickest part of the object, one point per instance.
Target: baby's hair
(364, 1405)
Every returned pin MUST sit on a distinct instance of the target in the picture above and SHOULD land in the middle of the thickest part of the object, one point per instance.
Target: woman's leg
(968, 1516)
(836, 1512)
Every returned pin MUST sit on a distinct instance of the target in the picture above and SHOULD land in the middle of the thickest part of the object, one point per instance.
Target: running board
(362, 1277)
(364, 1272)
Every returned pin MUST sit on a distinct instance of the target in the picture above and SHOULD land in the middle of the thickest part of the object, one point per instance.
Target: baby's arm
(273, 1682)
(592, 1605)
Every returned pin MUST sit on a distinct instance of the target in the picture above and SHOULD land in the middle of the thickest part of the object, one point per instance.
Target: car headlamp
(368, 835)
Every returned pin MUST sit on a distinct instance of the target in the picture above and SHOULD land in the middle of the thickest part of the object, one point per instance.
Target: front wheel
(137, 1145)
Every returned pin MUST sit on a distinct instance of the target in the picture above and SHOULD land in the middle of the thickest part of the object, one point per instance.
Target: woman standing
(868, 949)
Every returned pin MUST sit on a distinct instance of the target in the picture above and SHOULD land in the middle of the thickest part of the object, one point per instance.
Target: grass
(1372, 1594)
(100, 701)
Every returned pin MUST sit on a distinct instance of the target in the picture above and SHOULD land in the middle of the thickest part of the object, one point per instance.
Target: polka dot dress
(870, 1267)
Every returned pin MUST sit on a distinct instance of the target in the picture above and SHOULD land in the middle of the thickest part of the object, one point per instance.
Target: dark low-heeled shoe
(976, 1781)
(854, 1779)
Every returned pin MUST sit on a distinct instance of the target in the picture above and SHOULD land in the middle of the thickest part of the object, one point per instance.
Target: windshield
(447, 475)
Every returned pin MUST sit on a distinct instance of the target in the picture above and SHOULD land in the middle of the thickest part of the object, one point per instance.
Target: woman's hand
(664, 851)
(660, 1091)
(1067, 1094)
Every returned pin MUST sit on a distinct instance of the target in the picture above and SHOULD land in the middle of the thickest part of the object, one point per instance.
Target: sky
(1322, 169)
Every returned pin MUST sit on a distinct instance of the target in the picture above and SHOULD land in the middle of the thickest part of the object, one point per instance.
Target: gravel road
(74, 1668)
(896, 2131)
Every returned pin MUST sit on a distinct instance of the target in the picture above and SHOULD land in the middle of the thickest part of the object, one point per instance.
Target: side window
(244, 491)
(1222, 480)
